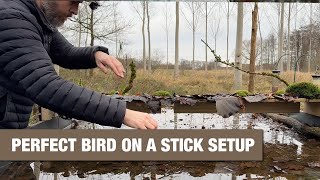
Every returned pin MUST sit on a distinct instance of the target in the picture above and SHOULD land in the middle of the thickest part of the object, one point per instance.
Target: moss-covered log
(291, 122)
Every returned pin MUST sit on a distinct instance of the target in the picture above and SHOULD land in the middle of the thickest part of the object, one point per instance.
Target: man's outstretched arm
(25, 62)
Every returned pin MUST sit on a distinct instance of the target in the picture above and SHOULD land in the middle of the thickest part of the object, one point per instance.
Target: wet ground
(287, 155)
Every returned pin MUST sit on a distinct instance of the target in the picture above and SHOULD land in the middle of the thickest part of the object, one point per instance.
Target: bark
(253, 48)
(279, 60)
(289, 53)
(143, 36)
(206, 64)
(149, 36)
(92, 39)
(310, 41)
(291, 122)
(238, 59)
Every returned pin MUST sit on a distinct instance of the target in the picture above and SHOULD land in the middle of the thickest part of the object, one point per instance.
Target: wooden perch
(218, 59)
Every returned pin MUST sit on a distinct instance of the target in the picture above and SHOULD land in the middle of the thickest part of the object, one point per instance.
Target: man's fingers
(102, 67)
(114, 68)
(153, 122)
(149, 125)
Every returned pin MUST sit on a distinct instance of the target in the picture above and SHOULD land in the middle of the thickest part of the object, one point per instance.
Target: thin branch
(218, 59)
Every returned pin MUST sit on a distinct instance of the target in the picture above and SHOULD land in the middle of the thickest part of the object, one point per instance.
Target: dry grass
(189, 82)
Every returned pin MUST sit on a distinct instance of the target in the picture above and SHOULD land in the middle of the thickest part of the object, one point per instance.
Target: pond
(287, 155)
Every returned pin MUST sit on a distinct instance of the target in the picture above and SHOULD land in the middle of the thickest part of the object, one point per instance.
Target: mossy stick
(218, 59)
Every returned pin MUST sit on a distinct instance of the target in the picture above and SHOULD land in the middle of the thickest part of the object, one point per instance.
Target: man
(29, 46)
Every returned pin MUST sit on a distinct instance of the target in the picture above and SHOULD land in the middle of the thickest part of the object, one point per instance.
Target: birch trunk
(238, 59)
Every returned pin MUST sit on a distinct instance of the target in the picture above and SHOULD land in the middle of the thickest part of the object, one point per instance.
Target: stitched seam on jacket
(85, 109)
(45, 87)
(76, 102)
(56, 91)
(95, 112)
(113, 118)
(105, 113)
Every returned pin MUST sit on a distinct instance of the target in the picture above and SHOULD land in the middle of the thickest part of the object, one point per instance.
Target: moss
(162, 93)
(280, 92)
(304, 90)
(114, 92)
(132, 77)
(242, 93)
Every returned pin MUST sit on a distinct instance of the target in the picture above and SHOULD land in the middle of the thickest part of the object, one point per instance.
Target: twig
(218, 59)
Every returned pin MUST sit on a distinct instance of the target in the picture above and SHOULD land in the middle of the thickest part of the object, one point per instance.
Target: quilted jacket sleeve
(25, 62)
(66, 55)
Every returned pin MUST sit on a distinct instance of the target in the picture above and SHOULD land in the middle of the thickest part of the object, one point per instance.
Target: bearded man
(29, 46)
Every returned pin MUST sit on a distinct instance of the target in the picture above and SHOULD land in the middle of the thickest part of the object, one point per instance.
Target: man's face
(58, 11)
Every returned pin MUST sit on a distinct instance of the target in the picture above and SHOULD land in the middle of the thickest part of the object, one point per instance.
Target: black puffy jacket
(29, 46)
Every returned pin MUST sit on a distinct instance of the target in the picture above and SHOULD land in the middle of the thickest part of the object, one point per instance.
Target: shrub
(303, 90)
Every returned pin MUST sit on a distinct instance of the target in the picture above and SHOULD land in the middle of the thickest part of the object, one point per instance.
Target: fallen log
(297, 125)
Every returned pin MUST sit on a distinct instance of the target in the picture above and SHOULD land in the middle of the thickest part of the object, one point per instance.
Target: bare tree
(238, 56)
(141, 11)
(310, 40)
(207, 14)
(149, 36)
(288, 41)
(215, 27)
(176, 64)
(253, 48)
(280, 47)
(168, 20)
(195, 9)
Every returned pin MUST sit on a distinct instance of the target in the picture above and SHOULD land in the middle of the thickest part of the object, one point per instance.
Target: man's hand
(103, 59)
(139, 120)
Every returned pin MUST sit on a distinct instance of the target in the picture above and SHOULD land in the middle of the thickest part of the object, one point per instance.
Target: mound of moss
(242, 93)
(280, 92)
(162, 93)
(304, 90)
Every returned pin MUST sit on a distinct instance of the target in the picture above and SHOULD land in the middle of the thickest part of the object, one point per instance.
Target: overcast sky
(268, 13)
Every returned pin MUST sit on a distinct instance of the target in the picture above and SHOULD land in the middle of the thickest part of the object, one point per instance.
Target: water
(287, 155)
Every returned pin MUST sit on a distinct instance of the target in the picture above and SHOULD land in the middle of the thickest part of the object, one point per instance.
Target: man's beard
(50, 10)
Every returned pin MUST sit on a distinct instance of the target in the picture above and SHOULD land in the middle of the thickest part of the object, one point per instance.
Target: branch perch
(218, 59)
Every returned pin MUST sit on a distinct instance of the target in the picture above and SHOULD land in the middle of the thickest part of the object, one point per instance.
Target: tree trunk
(238, 59)
(193, 36)
(279, 59)
(167, 36)
(228, 21)
(310, 41)
(92, 39)
(149, 40)
(261, 47)
(144, 37)
(80, 28)
(288, 45)
(176, 63)
(206, 64)
(253, 47)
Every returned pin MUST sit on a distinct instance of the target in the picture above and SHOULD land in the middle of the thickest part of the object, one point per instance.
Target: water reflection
(287, 155)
